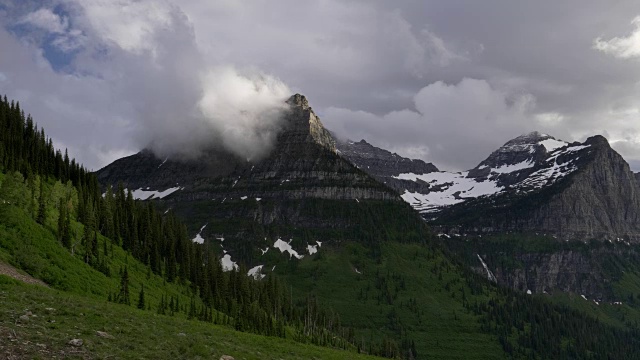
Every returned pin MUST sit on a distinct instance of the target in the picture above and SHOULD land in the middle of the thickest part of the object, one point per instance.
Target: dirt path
(10, 271)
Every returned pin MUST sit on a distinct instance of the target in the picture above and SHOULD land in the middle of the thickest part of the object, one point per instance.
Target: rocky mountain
(380, 162)
(302, 187)
(384, 165)
(534, 183)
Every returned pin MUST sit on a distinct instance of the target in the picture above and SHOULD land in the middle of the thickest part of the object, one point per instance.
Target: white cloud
(245, 110)
(47, 20)
(622, 47)
(130, 25)
(455, 126)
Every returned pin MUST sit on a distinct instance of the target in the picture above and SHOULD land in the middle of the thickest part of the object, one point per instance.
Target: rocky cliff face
(574, 271)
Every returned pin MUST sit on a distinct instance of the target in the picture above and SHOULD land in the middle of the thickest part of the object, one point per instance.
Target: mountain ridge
(533, 183)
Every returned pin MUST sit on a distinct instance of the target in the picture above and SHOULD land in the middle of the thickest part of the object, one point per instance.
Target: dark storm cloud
(447, 81)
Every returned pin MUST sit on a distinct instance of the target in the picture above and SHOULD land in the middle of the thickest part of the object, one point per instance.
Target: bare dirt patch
(10, 271)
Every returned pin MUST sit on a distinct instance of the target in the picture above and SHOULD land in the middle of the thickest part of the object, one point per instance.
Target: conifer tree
(123, 296)
(41, 205)
(141, 302)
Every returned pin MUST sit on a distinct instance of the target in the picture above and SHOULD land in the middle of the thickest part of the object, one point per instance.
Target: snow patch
(552, 144)
(255, 272)
(227, 264)
(199, 239)
(455, 188)
(505, 169)
(243, 198)
(283, 246)
(141, 194)
(529, 292)
(265, 250)
(312, 249)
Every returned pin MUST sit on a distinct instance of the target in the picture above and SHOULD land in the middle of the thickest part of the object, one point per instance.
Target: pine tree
(141, 301)
(123, 297)
(42, 209)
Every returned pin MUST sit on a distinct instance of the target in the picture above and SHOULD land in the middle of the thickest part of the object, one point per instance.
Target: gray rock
(76, 342)
(23, 319)
(182, 334)
(105, 335)
(381, 163)
(227, 357)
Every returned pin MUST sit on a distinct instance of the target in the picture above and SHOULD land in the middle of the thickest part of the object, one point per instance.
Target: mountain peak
(298, 100)
(533, 137)
(304, 126)
(597, 140)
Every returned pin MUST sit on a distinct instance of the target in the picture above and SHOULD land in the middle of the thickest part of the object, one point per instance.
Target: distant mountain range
(533, 183)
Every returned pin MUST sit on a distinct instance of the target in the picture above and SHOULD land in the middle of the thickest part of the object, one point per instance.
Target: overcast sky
(447, 81)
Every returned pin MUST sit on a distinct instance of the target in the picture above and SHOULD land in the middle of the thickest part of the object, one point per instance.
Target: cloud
(622, 47)
(454, 125)
(153, 89)
(63, 36)
(131, 25)
(47, 20)
(244, 110)
(111, 75)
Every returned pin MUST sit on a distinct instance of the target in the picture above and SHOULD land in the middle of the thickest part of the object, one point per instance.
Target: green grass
(137, 334)
(34, 249)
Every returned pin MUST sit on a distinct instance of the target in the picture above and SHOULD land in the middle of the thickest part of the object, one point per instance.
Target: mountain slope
(385, 166)
(535, 183)
(126, 332)
(301, 187)
(581, 191)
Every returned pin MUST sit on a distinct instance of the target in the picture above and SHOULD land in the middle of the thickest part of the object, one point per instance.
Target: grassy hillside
(36, 249)
(79, 296)
(59, 317)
